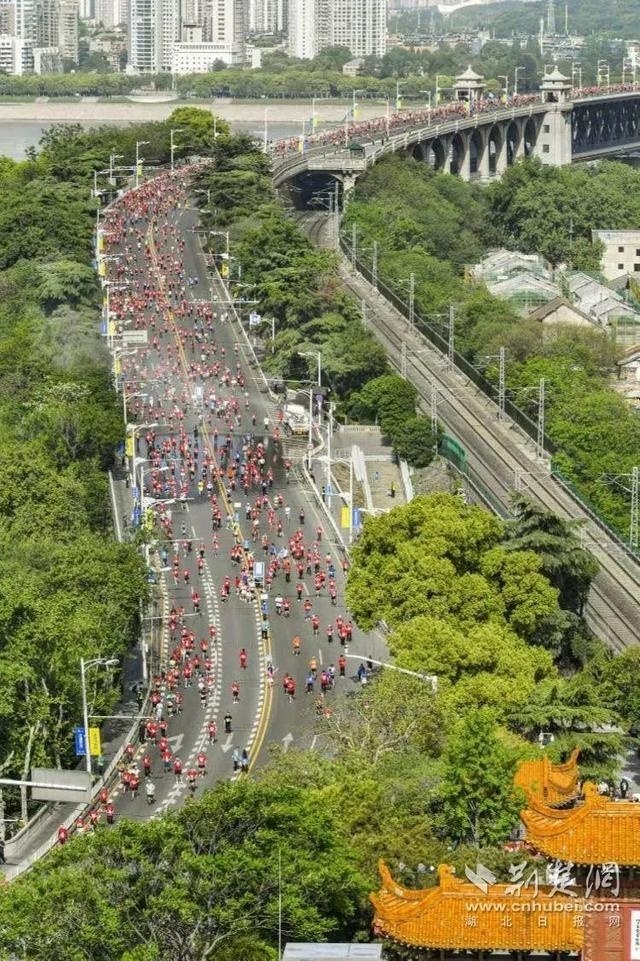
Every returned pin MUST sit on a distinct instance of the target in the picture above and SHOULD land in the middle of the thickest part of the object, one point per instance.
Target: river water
(16, 136)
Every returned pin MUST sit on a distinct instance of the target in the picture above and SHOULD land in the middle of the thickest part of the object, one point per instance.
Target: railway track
(498, 452)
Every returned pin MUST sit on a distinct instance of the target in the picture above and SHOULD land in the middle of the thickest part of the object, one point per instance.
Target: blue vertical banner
(356, 520)
(79, 741)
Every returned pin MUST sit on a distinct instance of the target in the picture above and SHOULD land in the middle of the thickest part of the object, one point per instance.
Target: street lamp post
(430, 678)
(428, 94)
(172, 132)
(84, 666)
(576, 75)
(439, 89)
(515, 81)
(318, 356)
(139, 159)
(604, 74)
(265, 141)
(112, 158)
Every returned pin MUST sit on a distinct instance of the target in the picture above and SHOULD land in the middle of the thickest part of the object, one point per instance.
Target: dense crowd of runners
(201, 439)
(382, 127)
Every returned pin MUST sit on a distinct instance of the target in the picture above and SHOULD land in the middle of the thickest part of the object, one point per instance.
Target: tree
(568, 566)
(414, 442)
(191, 885)
(477, 799)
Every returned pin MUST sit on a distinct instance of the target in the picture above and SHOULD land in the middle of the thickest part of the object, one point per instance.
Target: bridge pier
(554, 144)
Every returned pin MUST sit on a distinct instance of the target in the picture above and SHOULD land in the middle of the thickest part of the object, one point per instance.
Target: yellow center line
(265, 646)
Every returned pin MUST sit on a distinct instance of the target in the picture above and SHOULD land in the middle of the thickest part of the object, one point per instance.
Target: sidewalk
(42, 829)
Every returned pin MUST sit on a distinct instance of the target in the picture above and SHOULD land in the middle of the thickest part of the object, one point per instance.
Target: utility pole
(452, 338)
(634, 531)
(540, 444)
(412, 299)
(374, 266)
(434, 415)
(354, 245)
(501, 385)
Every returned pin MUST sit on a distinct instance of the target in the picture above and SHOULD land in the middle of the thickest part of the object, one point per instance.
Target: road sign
(357, 518)
(79, 741)
(131, 337)
(54, 785)
(95, 741)
(254, 318)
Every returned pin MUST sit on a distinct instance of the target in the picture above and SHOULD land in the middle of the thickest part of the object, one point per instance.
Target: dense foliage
(588, 18)
(412, 775)
(432, 225)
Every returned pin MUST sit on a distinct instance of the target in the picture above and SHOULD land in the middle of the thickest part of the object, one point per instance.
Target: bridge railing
(518, 416)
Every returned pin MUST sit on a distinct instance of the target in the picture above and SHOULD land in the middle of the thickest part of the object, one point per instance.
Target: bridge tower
(553, 145)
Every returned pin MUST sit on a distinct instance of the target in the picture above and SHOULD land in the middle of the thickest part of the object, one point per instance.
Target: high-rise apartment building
(25, 24)
(8, 20)
(225, 21)
(304, 28)
(360, 25)
(143, 28)
(110, 13)
(267, 16)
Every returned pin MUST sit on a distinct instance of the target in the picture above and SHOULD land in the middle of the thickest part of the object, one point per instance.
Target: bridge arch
(459, 153)
(477, 148)
(530, 137)
(437, 154)
(495, 144)
(513, 137)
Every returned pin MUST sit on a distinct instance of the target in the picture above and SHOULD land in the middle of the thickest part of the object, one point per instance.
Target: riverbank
(250, 112)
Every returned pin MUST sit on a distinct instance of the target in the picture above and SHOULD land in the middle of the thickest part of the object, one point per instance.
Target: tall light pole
(139, 159)
(172, 133)
(265, 139)
(515, 81)
(84, 666)
(604, 74)
(428, 94)
(576, 75)
(541, 401)
(112, 158)
(429, 678)
(634, 524)
(318, 356)
(439, 89)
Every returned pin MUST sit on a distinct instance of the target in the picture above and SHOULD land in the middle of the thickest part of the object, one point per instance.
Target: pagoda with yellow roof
(555, 784)
(457, 915)
(566, 823)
